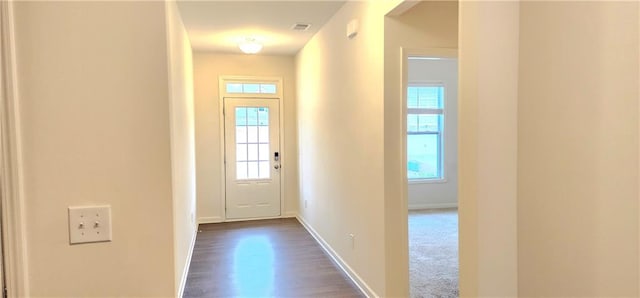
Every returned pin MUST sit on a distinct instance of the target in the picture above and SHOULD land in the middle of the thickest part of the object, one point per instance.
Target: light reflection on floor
(253, 267)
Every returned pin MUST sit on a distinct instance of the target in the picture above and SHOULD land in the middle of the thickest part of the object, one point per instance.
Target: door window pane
(252, 116)
(264, 169)
(241, 152)
(241, 116)
(264, 152)
(241, 134)
(252, 134)
(263, 116)
(263, 132)
(252, 143)
(241, 170)
(253, 152)
(252, 172)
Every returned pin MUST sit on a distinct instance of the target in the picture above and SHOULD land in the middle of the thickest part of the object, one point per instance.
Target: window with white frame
(425, 124)
(251, 88)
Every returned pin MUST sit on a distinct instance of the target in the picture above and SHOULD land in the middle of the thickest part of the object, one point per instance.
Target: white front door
(252, 157)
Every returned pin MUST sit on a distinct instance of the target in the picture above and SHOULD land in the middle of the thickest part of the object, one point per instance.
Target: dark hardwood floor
(265, 258)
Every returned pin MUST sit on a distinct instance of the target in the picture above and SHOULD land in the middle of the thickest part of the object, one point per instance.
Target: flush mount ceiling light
(250, 46)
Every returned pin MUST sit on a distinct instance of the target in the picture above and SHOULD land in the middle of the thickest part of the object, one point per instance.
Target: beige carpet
(433, 253)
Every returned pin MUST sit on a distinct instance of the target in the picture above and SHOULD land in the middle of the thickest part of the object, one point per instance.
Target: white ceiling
(220, 25)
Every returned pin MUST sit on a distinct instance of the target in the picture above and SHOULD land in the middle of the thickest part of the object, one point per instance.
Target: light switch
(89, 224)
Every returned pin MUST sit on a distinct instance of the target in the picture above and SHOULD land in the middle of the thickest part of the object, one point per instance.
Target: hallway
(120, 105)
(266, 258)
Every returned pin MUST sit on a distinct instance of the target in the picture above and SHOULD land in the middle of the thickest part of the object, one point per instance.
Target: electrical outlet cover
(89, 224)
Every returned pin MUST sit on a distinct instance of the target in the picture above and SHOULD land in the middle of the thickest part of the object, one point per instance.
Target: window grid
(425, 122)
(252, 88)
(252, 143)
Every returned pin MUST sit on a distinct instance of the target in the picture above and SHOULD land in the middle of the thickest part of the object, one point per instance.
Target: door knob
(276, 167)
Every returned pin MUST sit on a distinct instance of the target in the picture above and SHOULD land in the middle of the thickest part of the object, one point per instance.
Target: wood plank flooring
(265, 258)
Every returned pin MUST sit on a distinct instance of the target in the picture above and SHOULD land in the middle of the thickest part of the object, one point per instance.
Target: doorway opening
(432, 171)
(424, 35)
(251, 147)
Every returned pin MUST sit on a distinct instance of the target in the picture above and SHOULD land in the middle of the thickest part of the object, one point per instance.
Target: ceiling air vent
(300, 27)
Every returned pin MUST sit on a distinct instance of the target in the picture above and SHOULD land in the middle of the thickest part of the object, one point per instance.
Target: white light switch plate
(89, 224)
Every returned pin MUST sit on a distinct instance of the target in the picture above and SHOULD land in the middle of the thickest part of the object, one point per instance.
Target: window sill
(428, 181)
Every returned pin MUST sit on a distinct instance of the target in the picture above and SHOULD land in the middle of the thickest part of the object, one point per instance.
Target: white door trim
(12, 199)
(222, 94)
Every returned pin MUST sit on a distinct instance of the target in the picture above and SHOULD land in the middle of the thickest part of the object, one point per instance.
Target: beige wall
(488, 103)
(183, 167)
(578, 149)
(340, 129)
(208, 67)
(96, 129)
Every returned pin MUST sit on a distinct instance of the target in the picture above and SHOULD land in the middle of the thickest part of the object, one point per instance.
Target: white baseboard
(212, 219)
(185, 273)
(218, 219)
(289, 214)
(364, 288)
(432, 206)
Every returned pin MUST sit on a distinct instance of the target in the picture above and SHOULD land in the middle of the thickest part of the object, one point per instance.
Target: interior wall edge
(12, 205)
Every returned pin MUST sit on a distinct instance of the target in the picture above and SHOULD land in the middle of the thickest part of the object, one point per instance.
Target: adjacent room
(432, 171)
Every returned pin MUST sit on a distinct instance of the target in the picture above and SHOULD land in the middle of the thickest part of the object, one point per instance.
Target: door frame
(11, 164)
(405, 53)
(222, 94)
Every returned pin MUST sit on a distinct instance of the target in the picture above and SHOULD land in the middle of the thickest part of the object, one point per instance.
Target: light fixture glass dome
(250, 46)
